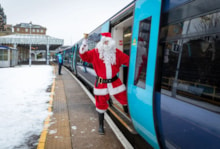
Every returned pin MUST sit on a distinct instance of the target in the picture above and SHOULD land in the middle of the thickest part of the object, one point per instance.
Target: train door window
(127, 40)
(126, 50)
(142, 52)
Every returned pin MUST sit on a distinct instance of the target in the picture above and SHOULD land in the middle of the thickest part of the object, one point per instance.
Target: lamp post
(30, 24)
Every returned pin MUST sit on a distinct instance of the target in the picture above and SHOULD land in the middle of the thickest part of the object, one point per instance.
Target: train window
(207, 24)
(191, 60)
(142, 52)
(173, 3)
(94, 38)
(78, 58)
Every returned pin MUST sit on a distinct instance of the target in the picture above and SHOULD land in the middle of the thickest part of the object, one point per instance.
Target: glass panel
(126, 49)
(191, 63)
(173, 3)
(127, 40)
(4, 55)
(1, 55)
(206, 24)
(142, 52)
(94, 38)
(78, 58)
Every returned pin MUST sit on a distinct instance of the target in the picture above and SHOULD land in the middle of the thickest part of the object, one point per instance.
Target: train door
(122, 35)
(74, 52)
(126, 49)
(72, 58)
(142, 68)
(120, 28)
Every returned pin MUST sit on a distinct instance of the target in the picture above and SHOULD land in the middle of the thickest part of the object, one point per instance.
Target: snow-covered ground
(23, 104)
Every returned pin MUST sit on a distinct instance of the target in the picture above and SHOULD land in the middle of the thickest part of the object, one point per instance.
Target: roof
(27, 25)
(30, 39)
(62, 48)
(6, 48)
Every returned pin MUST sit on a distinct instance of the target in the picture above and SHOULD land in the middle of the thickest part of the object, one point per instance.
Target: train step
(121, 117)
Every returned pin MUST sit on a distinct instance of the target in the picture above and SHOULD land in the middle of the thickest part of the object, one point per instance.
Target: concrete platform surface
(74, 122)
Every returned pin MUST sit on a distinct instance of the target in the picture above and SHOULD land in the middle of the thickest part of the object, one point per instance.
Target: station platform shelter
(32, 47)
(8, 56)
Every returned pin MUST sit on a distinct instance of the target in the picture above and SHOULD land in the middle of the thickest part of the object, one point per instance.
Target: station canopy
(33, 39)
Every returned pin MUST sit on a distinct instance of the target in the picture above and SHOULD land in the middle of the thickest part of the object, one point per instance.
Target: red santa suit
(106, 61)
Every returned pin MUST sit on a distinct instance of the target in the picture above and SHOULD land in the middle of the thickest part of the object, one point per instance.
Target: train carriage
(172, 82)
(67, 56)
(186, 96)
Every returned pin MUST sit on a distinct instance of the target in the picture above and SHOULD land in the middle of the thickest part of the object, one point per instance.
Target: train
(173, 78)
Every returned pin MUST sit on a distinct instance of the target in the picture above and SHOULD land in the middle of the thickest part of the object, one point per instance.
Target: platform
(74, 122)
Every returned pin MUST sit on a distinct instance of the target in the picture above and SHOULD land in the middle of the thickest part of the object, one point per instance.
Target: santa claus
(106, 60)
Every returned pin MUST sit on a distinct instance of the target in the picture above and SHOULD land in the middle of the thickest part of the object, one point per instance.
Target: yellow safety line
(42, 140)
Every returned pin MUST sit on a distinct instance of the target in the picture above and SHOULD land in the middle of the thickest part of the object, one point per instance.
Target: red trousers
(101, 100)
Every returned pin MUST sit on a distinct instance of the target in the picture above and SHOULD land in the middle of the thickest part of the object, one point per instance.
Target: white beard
(107, 52)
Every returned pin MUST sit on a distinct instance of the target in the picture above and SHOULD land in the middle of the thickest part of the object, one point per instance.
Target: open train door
(142, 68)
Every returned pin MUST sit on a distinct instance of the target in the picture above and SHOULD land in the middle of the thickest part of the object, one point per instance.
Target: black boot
(125, 107)
(101, 124)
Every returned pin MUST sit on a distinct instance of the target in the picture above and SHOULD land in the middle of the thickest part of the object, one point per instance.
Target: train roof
(119, 15)
(62, 48)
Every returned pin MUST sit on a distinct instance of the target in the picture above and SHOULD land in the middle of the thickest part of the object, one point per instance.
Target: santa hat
(107, 34)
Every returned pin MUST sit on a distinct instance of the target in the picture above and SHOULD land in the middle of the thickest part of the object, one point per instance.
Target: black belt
(101, 80)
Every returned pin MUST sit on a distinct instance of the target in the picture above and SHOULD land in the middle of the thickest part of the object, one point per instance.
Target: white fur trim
(106, 38)
(108, 70)
(116, 90)
(100, 111)
(83, 47)
(102, 91)
(107, 52)
(109, 90)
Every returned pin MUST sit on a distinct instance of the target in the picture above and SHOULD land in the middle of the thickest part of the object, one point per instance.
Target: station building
(31, 41)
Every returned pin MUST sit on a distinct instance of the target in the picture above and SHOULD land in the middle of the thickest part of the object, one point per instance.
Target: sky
(24, 104)
(66, 19)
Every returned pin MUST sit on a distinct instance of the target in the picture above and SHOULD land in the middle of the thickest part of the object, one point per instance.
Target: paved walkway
(74, 123)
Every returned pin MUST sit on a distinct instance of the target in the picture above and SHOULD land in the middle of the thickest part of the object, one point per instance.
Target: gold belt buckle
(100, 80)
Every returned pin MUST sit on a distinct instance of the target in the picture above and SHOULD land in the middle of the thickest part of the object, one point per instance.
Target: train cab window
(142, 52)
(191, 60)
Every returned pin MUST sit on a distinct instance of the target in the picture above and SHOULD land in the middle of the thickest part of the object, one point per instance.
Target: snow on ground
(23, 104)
